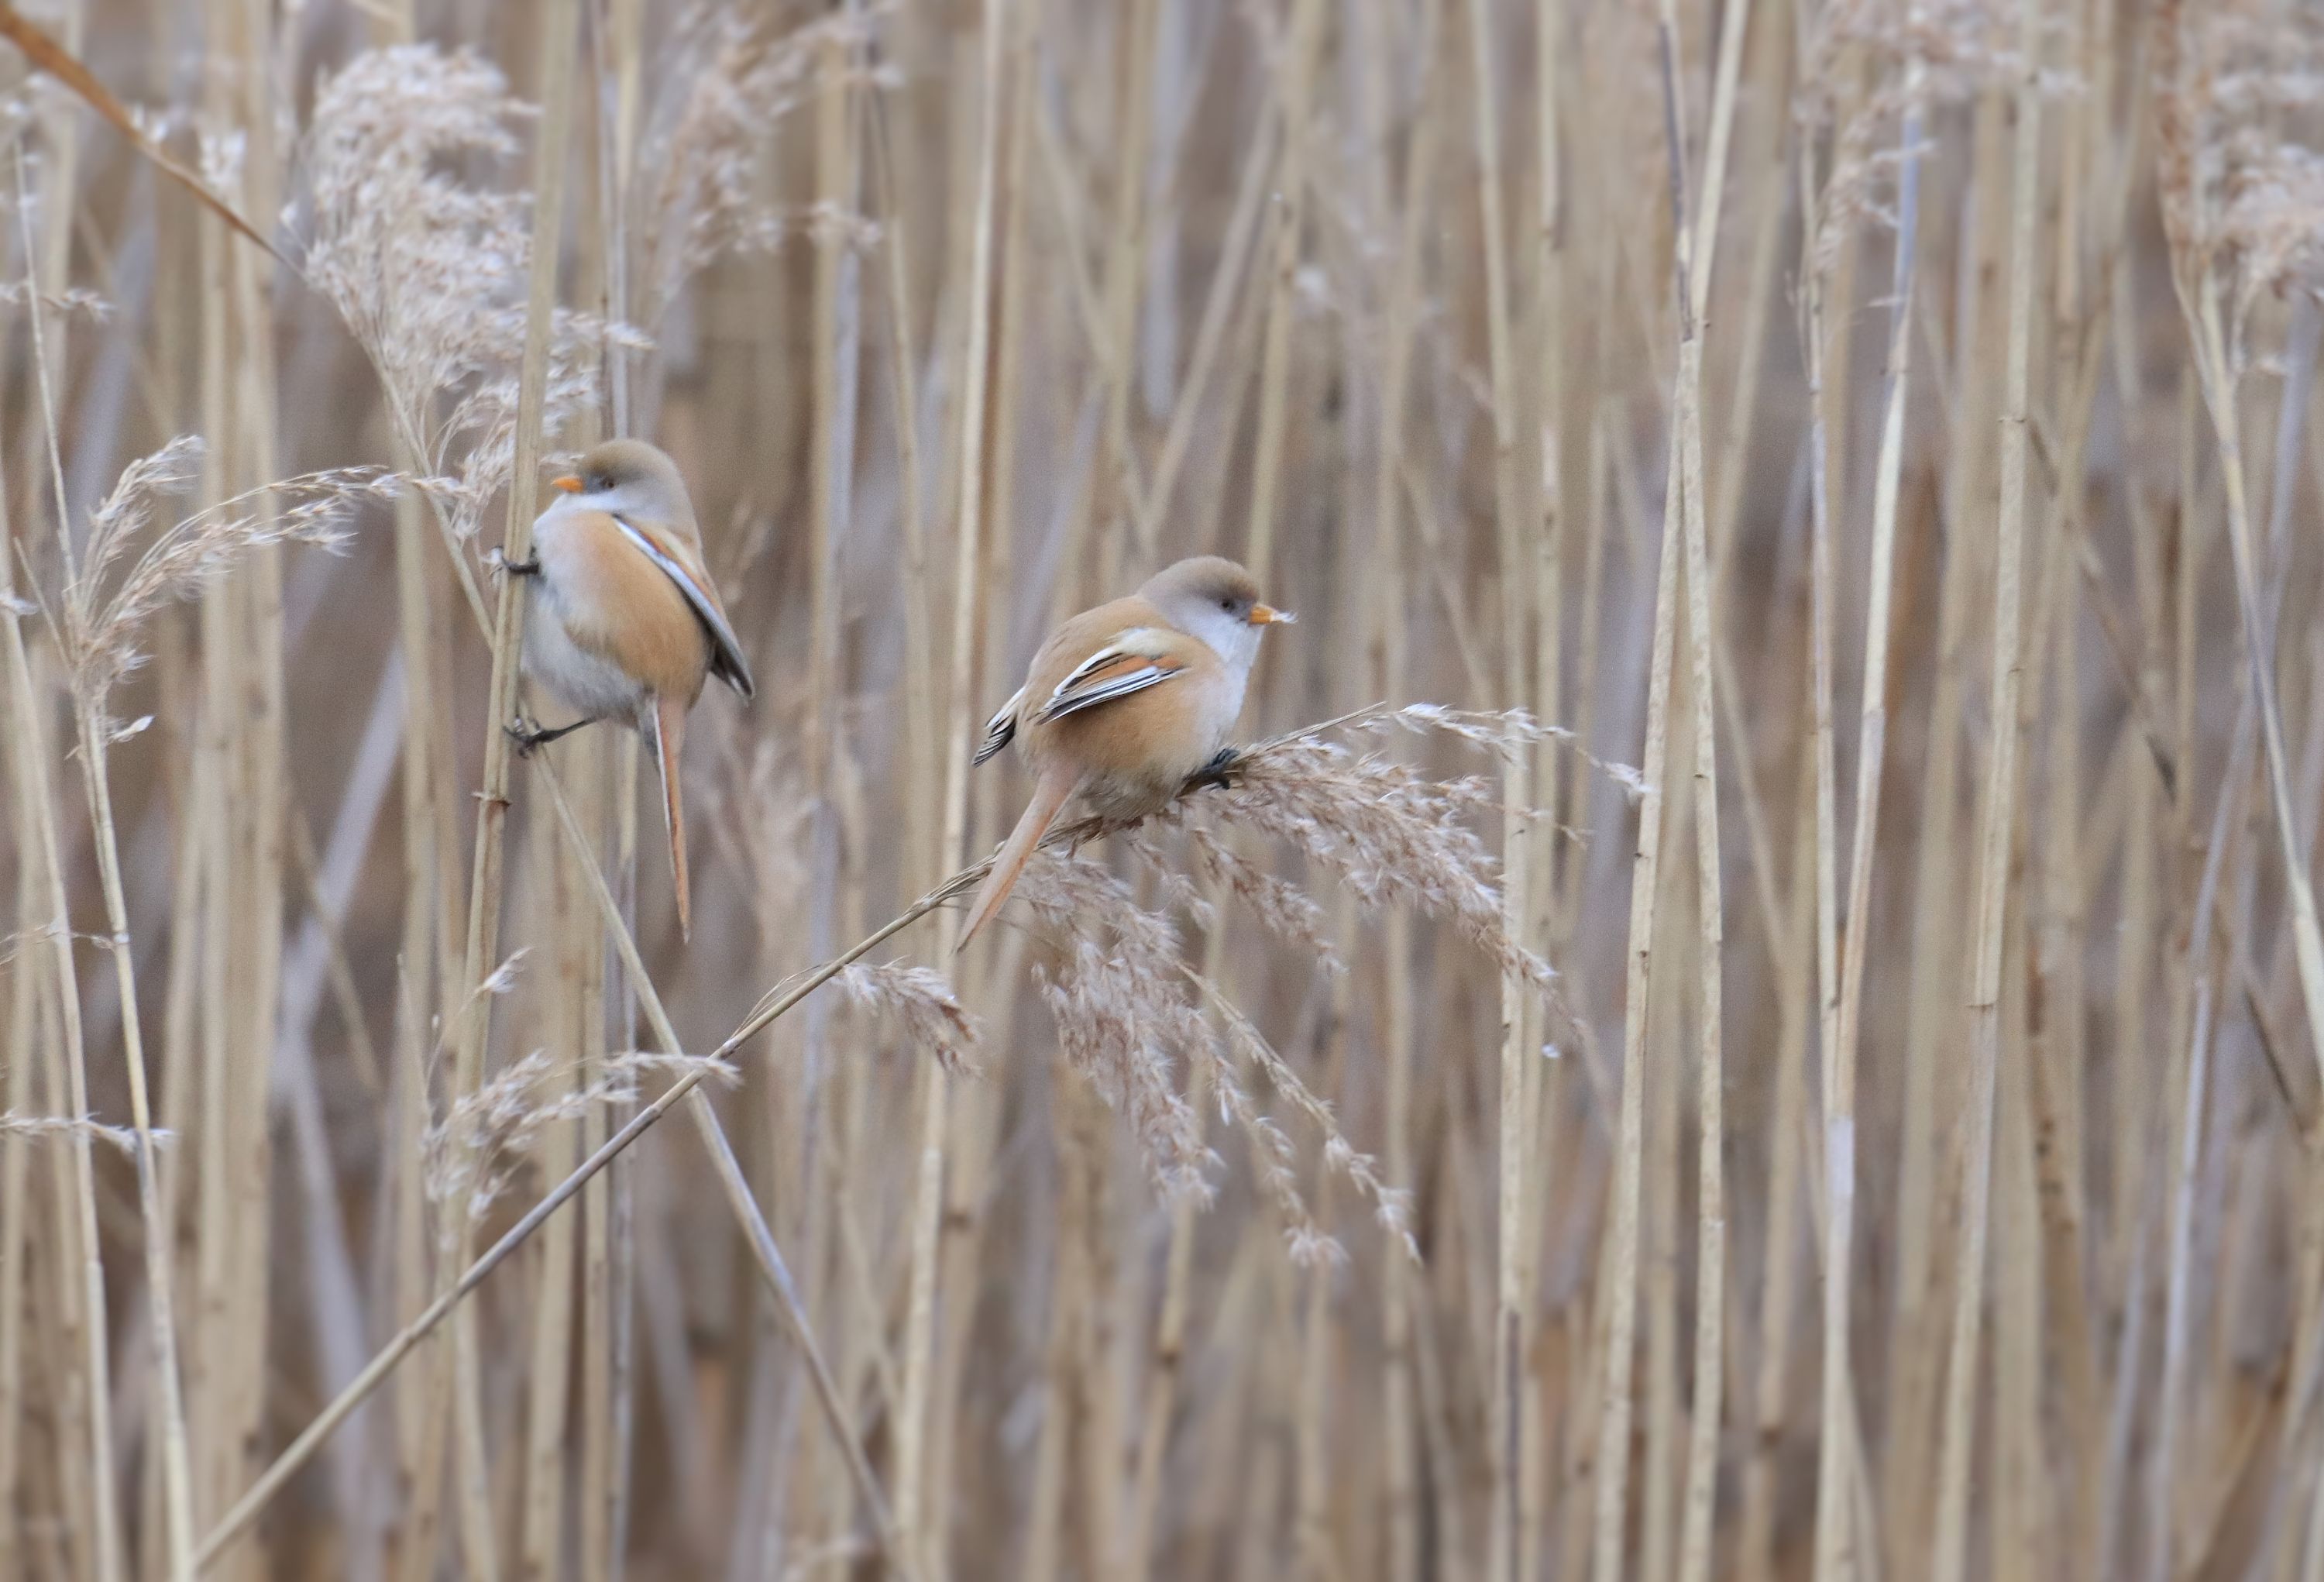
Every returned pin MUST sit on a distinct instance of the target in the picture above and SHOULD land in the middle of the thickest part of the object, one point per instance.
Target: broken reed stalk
(1962, 1379)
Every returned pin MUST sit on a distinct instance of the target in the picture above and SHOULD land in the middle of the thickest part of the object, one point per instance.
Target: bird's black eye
(1227, 604)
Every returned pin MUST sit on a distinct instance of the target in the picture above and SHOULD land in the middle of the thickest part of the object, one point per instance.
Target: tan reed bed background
(1889, 427)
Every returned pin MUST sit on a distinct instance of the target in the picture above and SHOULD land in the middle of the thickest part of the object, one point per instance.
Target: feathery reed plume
(1128, 1011)
(429, 272)
(1925, 56)
(2237, 191)
(738, 72)
(920, 1001)
(1394, 836)
(36, 1127)
(1391, 1206)
(105, 614)
(1122, 1014)
(473, 1152)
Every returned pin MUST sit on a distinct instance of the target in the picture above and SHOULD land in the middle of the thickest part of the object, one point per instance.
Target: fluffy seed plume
(920, 1002)
(474, 1152)
(37, 1128)
(743, 71)
(1124, 1020)
(2236, 190)
(1128, 1011)
(428, 270)
(109, 602)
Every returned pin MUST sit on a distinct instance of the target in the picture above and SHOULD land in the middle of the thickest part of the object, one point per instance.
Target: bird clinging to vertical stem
(625, 622)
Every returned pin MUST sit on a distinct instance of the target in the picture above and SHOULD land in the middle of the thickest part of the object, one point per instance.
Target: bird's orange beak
(1269, 615)
(568, 483)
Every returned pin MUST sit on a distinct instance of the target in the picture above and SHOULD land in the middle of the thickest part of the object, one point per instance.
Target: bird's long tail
(670, 738)
(1050, 793)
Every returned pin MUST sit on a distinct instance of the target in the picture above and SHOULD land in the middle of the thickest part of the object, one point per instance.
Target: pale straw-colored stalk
(1951, 1536)
(92, 732)
(930, 1087)
(1509, 1329)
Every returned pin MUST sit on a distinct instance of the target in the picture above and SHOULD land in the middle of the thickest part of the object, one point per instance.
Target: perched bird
(625, 622)
(1125, 702)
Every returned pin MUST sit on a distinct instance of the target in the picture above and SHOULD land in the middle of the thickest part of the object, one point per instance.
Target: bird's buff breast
(1122, 776)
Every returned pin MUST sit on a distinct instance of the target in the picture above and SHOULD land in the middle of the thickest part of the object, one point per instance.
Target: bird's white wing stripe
(1105, 691)
(1137, 642)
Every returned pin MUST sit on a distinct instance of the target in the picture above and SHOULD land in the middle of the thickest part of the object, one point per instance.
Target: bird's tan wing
(681, 562)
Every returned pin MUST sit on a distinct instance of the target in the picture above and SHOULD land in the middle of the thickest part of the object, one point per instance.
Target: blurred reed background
(1888, 427)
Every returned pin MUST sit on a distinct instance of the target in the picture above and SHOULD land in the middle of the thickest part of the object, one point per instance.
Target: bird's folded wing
(1136, 658)
(682, 566)
(1001, 729)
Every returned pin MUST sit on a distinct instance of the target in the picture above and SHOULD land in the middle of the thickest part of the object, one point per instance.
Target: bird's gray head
(632, 476)
(1217, 601)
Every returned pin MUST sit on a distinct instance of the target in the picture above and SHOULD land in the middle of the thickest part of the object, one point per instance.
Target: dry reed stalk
(1115, 504)
(86, 1391)
(94, 735)
(1697, 236)
(1043, 1541)
(1660, 1519)
(1951, 1536)
(91, 1497)
(1779, 1257)
(1294, 92)
(1508, 1556)
(1401, 1288)
(2196, 280)
(914, 1000)
(1836, 1545)
(454, 1383)
(564, 920)
(16, 1165)
(1835, 1551)
(930, 1094)
(1616, 1405)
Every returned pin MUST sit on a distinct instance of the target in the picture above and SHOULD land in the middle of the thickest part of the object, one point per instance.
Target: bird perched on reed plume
(1125, 702)
(625, 622)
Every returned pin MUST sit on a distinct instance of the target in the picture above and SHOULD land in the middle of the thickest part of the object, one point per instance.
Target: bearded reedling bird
(625, 622)
(1125, 703)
